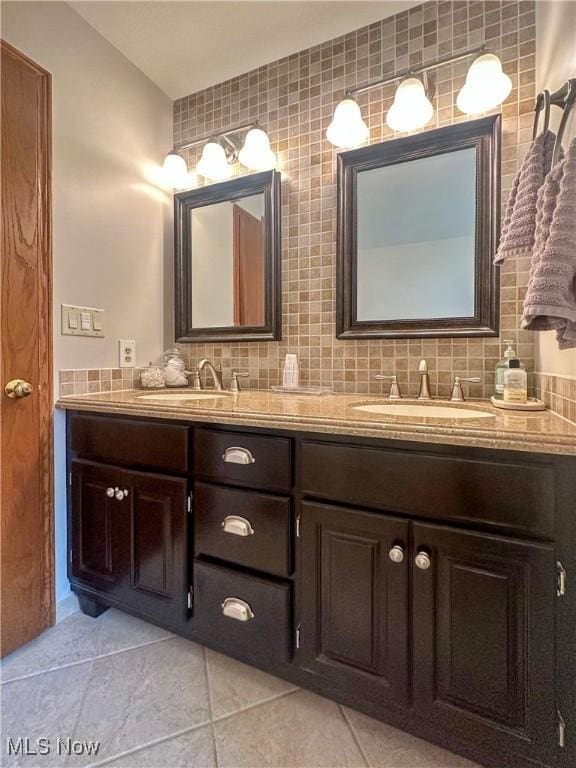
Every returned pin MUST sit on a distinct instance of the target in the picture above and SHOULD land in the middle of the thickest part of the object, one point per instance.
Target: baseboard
(66, 607)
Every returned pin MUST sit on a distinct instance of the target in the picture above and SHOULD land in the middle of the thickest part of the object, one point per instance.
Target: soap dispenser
(515, 383)
(502, 367)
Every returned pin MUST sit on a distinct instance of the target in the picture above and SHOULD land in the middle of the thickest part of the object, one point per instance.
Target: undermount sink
(175, 397)
(431, 411)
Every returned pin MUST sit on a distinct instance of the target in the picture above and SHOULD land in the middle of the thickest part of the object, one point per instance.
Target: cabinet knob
(237, 525)
(423, 561)
(121, 494)
(237, 609)
(237, 455)
(110, 492)
(396, 554)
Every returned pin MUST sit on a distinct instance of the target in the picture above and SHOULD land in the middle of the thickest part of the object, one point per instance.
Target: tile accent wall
(95, 380)
(558, 392)
(294, 99)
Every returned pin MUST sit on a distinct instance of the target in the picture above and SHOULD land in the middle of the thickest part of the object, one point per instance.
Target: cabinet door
(96, 559)
(354, 601)
(484, 638)
(153, 537)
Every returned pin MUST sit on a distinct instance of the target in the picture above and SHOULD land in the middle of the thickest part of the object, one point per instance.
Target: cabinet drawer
(247, 614)
(127, 442)
(503, 494)
(251, 460)
(246, 528)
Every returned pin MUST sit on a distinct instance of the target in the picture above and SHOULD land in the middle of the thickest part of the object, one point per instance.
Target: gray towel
(550, 302)
(517, 235)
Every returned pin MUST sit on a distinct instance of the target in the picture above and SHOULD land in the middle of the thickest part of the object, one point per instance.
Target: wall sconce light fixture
(486, 87)
(175, 170)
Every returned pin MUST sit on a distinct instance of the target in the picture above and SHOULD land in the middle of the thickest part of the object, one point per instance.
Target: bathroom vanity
(421, 578)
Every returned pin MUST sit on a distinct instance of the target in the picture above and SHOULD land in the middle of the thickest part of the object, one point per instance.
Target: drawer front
(242, 613)
(127, 442)
(506, 495)
(251, 460)
(246, 528)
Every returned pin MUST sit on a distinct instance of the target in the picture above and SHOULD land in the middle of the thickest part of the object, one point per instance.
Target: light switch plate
(82, 321)
(127, 353)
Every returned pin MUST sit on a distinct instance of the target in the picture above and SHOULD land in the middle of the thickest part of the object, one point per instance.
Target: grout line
(210, 707)
(85, 661)
(270, 699)
(354, 734)
(149, 744)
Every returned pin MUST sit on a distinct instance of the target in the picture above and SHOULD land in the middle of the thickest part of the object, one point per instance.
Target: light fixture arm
(217, 135)
(415, 71)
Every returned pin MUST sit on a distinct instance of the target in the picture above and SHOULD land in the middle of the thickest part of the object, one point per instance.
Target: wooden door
(27, 549)
(484, 639)
(154, 544)
(248, 259)
(354, 598)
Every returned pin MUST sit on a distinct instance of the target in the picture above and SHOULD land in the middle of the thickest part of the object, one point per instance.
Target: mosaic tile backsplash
(294, 99)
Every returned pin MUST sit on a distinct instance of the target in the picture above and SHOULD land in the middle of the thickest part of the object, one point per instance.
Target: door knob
(422, 561)
(121, 494)
(110, 492)
(396, 554)
(18, 388)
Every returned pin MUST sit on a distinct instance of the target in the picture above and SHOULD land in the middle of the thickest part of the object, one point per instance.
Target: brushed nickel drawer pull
(237, 609)
(238, 455)
(111, 492)
(237, 525)
(396, 554)
(423, 561)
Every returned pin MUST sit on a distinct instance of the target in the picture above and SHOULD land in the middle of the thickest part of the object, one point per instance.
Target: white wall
(555, 63)
(112, 226)
(111, 126)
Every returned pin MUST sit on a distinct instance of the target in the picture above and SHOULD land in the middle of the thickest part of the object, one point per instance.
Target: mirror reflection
(228, 263)
(416, 238)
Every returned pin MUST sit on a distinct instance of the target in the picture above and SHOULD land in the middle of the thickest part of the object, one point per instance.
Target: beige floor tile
(45, 706)
(299, 729)
(144, 694)
(387, 747)
(191, 750)
(234, 686)
(79, 638)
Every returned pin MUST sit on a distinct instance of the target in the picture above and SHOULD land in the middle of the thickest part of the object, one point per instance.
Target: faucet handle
(457, 395)
(196, 381)
(394, 393)
(235, 383)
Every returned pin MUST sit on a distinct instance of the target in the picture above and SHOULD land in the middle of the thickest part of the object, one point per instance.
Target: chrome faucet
(424, 393)
(395, 393)
(215, 371)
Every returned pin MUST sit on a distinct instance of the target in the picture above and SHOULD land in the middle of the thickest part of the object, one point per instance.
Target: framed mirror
(418, 221)
(227, 260)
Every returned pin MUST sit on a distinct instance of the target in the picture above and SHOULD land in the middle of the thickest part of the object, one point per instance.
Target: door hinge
(190, 598)
(298, 637)
(298, 518)
(70, 556)
(69, 478)
(561, 575)
(189, 502)
(561, 729)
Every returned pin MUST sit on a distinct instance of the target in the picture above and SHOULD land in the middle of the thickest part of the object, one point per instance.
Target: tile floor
(152, 699)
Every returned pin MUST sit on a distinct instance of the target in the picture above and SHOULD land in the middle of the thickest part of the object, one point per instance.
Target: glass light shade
(486, 85)
(213, 164)
(175, 170)
(411, 109)
(347, 128)
(256, 153)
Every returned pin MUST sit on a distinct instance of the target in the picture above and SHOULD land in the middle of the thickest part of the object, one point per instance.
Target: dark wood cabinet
(354, 600)
(483, 640)
(416, 583)
(129, 539)
(96, 558)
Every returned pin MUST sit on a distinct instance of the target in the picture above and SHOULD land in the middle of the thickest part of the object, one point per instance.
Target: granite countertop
(539, 431)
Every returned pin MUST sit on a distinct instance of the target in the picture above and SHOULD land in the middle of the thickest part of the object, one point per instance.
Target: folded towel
(550, 302)
(517, 235)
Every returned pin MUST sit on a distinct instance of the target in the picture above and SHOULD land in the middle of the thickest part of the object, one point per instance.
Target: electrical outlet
(127, 349)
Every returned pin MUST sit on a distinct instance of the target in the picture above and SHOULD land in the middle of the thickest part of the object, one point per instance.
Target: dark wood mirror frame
(267, 183)
(484, 136)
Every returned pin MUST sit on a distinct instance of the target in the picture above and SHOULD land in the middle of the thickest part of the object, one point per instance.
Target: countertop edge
(387, 431)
